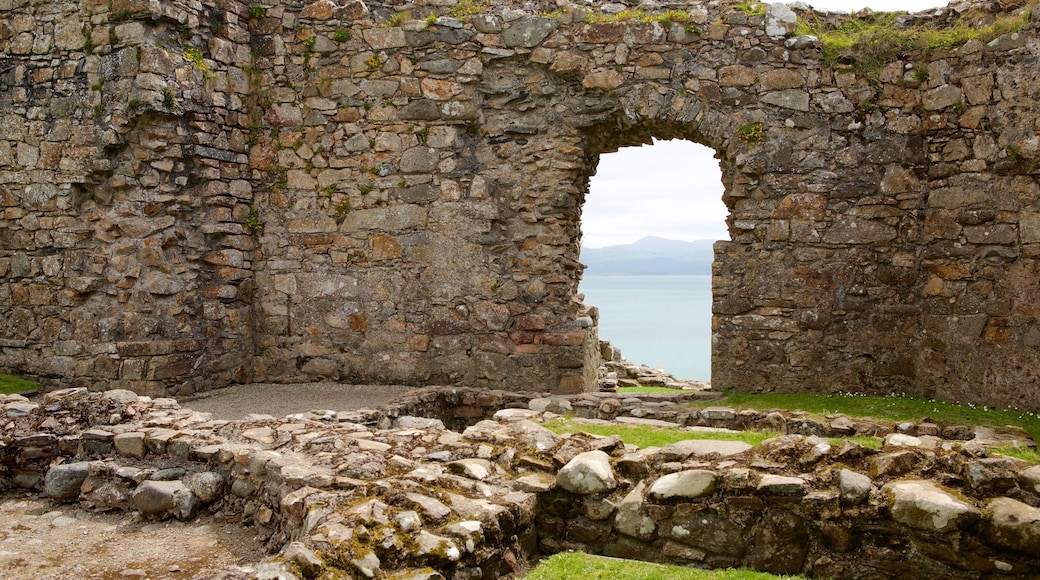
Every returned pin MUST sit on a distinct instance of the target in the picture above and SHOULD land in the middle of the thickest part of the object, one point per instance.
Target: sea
(660, 321)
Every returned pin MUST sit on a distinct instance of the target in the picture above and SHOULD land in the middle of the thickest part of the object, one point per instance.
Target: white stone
(688, 484)
(587, 473)
(926, 506)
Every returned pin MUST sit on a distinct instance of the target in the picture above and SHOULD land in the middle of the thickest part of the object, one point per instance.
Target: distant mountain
(651, 256)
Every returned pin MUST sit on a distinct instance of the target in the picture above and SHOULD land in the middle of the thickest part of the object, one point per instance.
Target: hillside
(650, 256)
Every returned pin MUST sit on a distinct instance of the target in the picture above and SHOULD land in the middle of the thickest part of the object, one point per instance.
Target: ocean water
(661, 321)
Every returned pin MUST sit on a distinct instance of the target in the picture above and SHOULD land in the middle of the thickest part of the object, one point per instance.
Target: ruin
(201, 193)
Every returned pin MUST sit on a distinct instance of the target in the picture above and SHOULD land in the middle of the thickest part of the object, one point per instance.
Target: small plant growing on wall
(194, 56)
(257, 12)
(397, 18)
(751, 133)
(373, 62)
(343, 209)
(341, 35)
(466, 8)
(169, 98)
(253, 222)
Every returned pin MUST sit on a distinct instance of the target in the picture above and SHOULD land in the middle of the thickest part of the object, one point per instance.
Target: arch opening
(649, 223)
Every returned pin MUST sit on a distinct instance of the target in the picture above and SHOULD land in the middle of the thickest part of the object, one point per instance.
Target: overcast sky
(674, 188)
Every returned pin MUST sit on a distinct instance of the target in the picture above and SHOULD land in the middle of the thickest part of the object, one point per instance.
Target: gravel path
(279, 400)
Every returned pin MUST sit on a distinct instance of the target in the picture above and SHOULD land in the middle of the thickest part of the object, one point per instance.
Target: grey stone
(795, 99)
(407, 422)
(308, 563)
(159, 497)
(926, 506)
(1030, 479)
(631, 518)
(478, 469)
(781, 485)
(64, 481)
(587, 473)
(681, 450)
(692, 483)
(854, 487)
(419, 160)
(527, 32)
(433, 546)
(208, 486)
(1014, 525)
(121, 396)
(367, 565)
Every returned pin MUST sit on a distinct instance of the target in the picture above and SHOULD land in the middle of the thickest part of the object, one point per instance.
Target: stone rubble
(332, 496)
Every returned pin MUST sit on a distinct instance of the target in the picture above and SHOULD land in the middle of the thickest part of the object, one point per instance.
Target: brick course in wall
(194, 194)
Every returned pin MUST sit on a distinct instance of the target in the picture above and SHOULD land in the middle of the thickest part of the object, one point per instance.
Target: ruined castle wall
(124, 184)
(340, 190)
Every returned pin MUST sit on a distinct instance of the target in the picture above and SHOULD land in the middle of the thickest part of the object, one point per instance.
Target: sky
(673, 189)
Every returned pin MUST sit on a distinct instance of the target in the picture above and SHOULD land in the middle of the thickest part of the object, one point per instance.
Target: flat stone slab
(926, 506)
(681, 450)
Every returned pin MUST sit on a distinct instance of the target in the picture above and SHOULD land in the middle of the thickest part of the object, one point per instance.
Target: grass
(891, 408)
(869, 41)
(568, 565)
(648, 436)
(1030, 455)
(11, 384)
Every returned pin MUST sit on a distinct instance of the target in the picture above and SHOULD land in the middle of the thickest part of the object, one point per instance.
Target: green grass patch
(1030, 455)
(11, 384)
(649, 436)
(869, 41)
(864, 440)
(889, 408)
(569, 565)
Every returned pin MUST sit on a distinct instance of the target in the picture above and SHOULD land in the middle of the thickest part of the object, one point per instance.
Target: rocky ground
(41, 539)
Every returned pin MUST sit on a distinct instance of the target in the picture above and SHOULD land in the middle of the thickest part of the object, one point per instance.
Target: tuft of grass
(647, 436)
(467, 8)
(12, 384)
(398, 18)
(341, 35)
(753, 8)
(869, 41)
(864, 440)
(1030, 455)
(892, 408)
(580, 565)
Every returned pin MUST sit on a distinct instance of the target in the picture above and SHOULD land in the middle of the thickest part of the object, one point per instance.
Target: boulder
(160, 497)
(854, 487)
(631, 518)
(64, 481)
(587, 473)
(685, 484)
(1014, 525)
(924, 505)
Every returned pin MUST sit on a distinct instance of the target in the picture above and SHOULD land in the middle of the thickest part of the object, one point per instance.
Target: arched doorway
(649, 223)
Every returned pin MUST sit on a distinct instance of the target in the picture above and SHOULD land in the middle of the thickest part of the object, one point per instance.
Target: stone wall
(391, 192)
(382, 494)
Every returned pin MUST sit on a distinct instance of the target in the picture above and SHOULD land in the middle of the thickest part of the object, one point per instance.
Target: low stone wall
(382, 493)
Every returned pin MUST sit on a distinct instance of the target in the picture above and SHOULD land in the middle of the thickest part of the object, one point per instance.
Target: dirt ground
(237, 401)
(44, 540)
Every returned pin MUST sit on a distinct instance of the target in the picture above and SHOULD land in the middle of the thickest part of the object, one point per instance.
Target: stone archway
(390, 192)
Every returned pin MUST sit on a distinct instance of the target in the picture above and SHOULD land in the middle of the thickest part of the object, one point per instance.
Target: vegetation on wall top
(869, 40)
